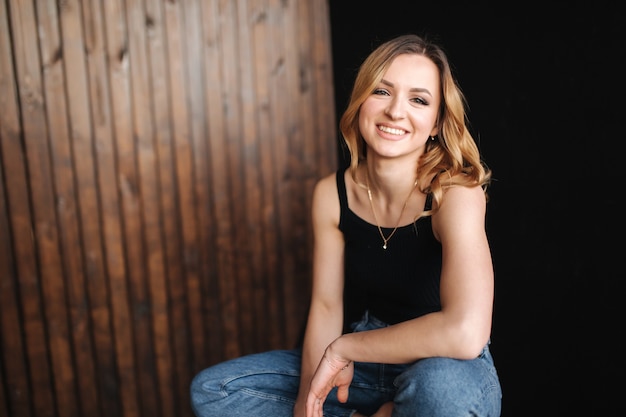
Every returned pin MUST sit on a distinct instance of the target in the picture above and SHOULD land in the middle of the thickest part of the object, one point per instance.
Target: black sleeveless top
(394, 284)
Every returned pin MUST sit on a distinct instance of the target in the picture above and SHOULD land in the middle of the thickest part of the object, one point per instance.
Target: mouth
(391, 130)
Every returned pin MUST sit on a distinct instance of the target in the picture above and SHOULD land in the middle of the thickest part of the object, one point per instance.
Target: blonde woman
(401, 310)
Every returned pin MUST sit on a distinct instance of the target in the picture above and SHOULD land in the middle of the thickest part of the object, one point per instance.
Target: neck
(384, 238)
(389, 186)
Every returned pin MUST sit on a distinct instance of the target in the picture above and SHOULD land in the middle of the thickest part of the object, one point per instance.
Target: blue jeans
(266, 385)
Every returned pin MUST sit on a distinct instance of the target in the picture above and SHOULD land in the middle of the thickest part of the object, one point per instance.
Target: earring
(432, 138)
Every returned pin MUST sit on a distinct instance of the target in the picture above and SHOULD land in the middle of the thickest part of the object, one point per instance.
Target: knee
(445, 387)
(197, 380)
(201, 382)
(425, 387)
(204, 390)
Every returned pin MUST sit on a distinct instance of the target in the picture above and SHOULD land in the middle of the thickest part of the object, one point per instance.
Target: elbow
(468, 339)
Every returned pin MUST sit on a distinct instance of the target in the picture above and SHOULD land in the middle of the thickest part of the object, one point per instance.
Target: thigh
(259, 384)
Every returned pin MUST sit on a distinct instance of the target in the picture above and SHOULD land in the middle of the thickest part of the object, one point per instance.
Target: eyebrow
(413, 90)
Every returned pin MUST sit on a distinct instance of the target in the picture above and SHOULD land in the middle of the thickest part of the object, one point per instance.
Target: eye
(420, 101)
(380, 92)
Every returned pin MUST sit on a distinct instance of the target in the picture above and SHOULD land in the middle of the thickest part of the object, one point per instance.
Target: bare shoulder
(326, 185)
(325, 199)
(462, 209)
(463, 197)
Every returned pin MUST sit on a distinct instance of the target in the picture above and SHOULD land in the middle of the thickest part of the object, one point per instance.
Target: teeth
(391, 130)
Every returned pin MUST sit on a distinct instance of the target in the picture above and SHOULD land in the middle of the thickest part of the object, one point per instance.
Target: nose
(395, 109)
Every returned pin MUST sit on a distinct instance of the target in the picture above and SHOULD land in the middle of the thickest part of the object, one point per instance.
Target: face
(400, 115)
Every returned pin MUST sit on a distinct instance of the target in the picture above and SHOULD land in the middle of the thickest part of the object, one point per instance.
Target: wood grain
(157, 160)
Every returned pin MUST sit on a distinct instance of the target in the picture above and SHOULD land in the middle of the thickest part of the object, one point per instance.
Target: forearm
(435, 334)
(323, 326)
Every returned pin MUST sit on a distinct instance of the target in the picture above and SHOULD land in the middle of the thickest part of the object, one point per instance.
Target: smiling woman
(546, 107)
(402, 297)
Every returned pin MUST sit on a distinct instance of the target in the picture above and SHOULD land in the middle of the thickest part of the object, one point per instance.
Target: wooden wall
(157, 160)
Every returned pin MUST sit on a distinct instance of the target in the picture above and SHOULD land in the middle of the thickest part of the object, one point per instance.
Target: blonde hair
(453, 157)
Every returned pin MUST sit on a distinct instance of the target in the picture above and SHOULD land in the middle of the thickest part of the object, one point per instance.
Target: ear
(435, 129)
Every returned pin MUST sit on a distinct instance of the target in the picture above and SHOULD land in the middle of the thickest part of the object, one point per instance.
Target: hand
(327, 376)
(299, 409)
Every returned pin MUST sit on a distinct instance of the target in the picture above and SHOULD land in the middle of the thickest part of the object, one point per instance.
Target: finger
(314, 406)
(309, 407)
(315, 410)
(342, 393)
(319, 408)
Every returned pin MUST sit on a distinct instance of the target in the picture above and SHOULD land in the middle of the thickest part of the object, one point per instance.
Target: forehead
(413, 71)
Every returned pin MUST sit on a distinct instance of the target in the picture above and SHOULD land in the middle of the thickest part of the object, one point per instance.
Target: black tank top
(394, 284)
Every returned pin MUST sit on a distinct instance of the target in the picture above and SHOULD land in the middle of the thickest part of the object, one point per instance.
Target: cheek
(365, 113)
(428, 121)
(366, 109)
(363, 124)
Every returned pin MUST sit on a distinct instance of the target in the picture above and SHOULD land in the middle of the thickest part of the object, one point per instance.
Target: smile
(391, 130)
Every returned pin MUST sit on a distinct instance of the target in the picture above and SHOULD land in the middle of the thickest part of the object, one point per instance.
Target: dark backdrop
(545, 90)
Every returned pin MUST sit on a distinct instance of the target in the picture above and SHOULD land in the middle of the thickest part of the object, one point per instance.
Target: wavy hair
(453, 157)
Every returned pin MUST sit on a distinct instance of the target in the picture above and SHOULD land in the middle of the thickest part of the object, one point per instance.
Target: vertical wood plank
(283, 122)
(295, 165)
(13, 372)
(221, 306)
(326, 125)
(13, 196)
(31, 177)
(53, 54)
(304, 149)
(103, 245)
(158, 224)
(206, 284)
(235, 314)
(45, 209)
(180, 228)
(192, 223)
(263, 16)
(145, 263)
(128, 247)
(252, 275)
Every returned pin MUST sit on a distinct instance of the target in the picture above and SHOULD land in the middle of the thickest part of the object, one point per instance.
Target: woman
(402, 299)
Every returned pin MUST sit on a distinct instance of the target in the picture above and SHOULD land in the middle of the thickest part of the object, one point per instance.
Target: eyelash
(416, 100)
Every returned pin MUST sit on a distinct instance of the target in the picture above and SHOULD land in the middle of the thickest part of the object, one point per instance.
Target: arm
(462, 327)
(325, 320)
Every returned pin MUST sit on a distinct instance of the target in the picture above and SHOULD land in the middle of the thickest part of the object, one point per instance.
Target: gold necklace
(382, 235)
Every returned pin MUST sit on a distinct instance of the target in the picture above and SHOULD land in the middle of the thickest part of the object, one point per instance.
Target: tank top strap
(428, 204)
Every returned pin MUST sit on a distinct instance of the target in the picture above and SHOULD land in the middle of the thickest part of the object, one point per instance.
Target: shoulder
(326, 187)
(326, 199)
(460, 196)
(462, 208)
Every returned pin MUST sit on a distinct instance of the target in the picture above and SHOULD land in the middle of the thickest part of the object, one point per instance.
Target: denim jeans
(266, 385)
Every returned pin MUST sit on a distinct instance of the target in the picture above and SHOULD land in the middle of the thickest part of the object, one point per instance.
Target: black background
(545, 88)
